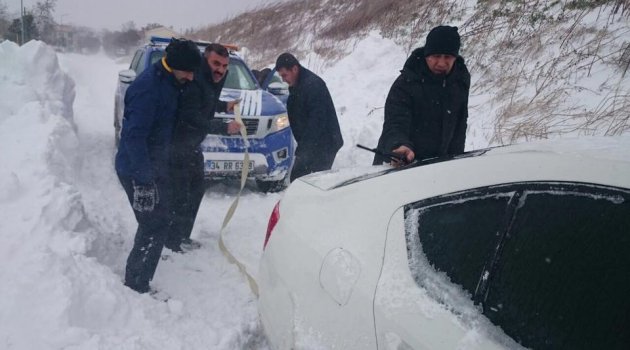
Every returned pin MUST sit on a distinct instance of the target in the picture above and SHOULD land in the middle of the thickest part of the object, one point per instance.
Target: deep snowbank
(52, 294)
(66, 228)
(43, 223)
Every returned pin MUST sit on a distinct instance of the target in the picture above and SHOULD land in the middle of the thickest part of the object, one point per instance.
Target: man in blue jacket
(143, 154)
(312, 117)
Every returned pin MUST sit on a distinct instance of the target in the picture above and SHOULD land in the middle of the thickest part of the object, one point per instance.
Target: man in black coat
(195, 119)
(312, 117)
(426, 111)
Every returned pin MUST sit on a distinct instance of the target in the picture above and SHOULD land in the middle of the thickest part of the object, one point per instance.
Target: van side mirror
(127, 76)
(278, 88)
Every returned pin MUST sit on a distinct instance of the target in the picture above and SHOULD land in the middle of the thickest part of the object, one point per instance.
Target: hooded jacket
(148, 122)
(426, 112)
(312, 116)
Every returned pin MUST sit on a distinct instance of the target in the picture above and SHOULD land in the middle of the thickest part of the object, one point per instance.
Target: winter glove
(145, 197)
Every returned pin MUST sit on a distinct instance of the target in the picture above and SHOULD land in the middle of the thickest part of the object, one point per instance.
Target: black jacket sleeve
(398, 116)
(322, 136)
(221, 106)
(459, 137)
(458, 143)
(318, 104)
(193, 114)
(190, 104)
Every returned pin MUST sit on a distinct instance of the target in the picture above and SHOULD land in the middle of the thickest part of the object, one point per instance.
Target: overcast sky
(111, 14)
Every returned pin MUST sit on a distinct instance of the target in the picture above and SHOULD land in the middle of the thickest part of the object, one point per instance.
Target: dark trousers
(153, 228)
(306, 163)
(187, 176)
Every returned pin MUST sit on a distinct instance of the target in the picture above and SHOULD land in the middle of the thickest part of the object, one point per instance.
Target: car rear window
(548, 263)
(459, 236)
(564, 280)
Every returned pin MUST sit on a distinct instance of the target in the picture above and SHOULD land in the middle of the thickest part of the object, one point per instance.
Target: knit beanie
(442, 40)
(183, 55)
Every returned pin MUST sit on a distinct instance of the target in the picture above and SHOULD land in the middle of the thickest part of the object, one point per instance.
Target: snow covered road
(210, 305)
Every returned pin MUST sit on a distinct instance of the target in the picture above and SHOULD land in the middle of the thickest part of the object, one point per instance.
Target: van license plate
(227, 165)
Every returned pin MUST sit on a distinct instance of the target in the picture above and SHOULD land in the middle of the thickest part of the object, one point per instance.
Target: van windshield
(238, 77)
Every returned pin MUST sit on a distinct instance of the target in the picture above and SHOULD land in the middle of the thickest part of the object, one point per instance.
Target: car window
(564, 280)
(239, 76)
(553, 257)
(155, 56)
(135, 60)
(458, 233)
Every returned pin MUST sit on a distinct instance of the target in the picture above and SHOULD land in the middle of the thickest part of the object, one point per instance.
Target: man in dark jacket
(426, 111)
(312, 117)
(195, 119)
(143, 155)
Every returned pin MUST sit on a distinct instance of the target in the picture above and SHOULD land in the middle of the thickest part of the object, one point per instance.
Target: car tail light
(273, 220)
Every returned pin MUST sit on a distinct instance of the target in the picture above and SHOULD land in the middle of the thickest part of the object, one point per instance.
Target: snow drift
(66, 227)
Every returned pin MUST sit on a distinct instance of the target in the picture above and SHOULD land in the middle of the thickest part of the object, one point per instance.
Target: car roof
(615, 149)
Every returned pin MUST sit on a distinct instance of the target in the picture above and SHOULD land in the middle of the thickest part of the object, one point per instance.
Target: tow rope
(228, 216)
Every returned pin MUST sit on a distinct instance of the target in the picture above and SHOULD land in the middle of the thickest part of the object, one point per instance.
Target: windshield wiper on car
(388, 155)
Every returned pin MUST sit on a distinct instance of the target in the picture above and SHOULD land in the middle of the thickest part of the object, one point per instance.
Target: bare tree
(4, 20)
(127, 26)
(43, 13)
(14, 32)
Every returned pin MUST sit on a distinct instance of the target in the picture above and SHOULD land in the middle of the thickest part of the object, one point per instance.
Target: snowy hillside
(539, 69)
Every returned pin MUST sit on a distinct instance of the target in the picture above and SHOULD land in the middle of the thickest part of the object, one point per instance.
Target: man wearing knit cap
(426, 110)
(143, 154)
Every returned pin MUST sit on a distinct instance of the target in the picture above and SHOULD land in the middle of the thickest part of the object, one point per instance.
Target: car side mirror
(278, 88)
(127, 76)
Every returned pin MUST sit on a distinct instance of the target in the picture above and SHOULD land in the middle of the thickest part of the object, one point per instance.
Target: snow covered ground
(66, 227)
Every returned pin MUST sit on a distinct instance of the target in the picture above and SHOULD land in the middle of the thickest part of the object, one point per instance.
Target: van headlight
(280, 122)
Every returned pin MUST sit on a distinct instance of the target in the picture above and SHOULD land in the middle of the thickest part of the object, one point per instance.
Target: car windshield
(238, 76)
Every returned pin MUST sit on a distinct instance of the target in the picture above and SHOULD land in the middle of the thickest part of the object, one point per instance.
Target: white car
(524, 246)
